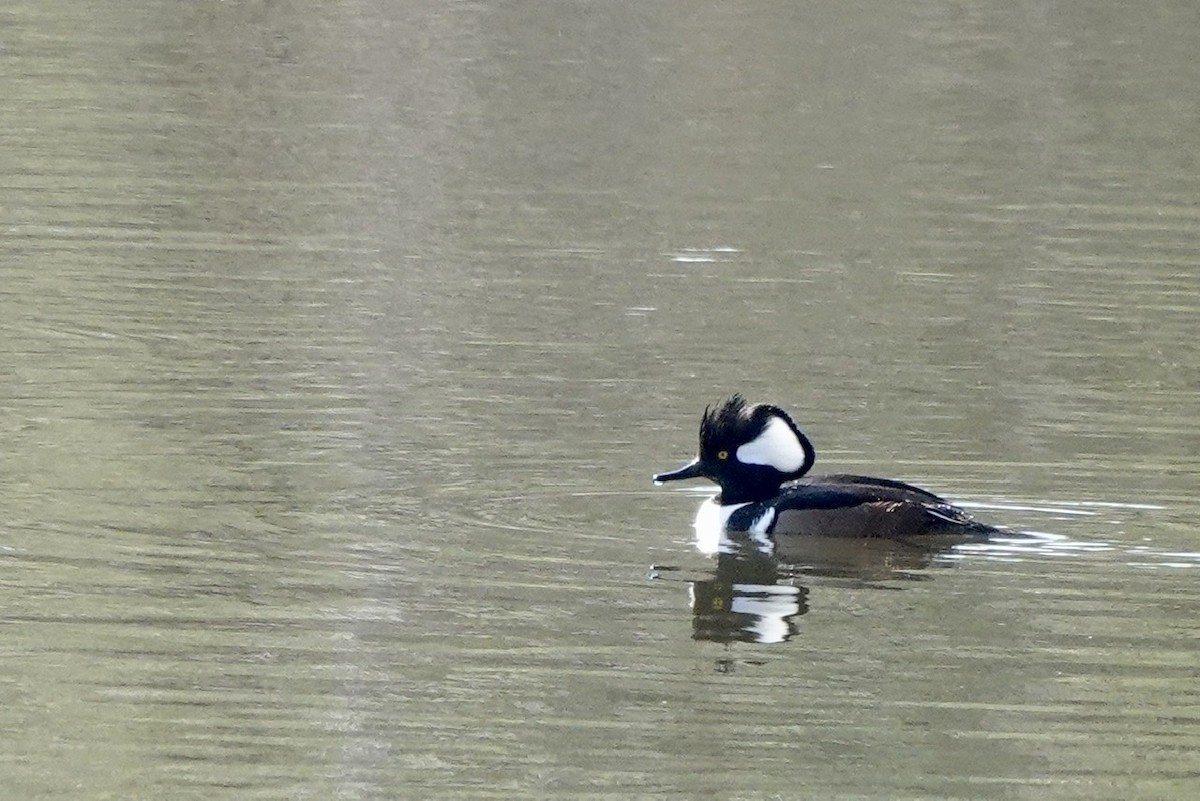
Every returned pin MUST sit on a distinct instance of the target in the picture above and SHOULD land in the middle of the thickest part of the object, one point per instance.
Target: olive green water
(338, 344)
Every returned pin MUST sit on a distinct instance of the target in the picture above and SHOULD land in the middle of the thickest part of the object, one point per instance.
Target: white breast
(712, 518)
(710, 522)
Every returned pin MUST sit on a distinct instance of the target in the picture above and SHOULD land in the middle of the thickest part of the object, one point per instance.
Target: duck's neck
(746, 493)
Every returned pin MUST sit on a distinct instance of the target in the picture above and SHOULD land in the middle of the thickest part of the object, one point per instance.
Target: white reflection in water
(1034, 543)
(748, 598)
(1047, 545)
(754, 612)
(1079, 508)
(702, 255)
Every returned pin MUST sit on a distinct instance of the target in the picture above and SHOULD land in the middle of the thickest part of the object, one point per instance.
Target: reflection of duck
(744, 600)
(875, 559)
(758, 457)
(753, 595)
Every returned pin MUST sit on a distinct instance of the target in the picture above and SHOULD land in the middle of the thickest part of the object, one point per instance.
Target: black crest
(728, 425)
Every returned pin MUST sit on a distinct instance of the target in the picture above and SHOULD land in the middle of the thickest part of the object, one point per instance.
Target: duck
(759, 459)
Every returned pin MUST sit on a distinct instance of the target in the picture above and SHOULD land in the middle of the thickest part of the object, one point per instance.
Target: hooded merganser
(758, 456)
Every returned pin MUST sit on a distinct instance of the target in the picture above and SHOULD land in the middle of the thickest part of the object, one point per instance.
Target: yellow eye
(722, 455)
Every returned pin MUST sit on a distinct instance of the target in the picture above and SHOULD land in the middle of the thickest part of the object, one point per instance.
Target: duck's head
(749, 451)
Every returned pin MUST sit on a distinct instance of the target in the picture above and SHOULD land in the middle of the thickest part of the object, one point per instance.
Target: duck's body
(843, 506)
(760, 458)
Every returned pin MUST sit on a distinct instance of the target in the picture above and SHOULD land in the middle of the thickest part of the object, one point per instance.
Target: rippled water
(340, 345)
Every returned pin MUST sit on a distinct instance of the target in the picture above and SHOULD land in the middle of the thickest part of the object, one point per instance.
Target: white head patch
(777, 446)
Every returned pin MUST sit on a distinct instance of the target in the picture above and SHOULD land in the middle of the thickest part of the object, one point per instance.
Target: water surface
(340, 346)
